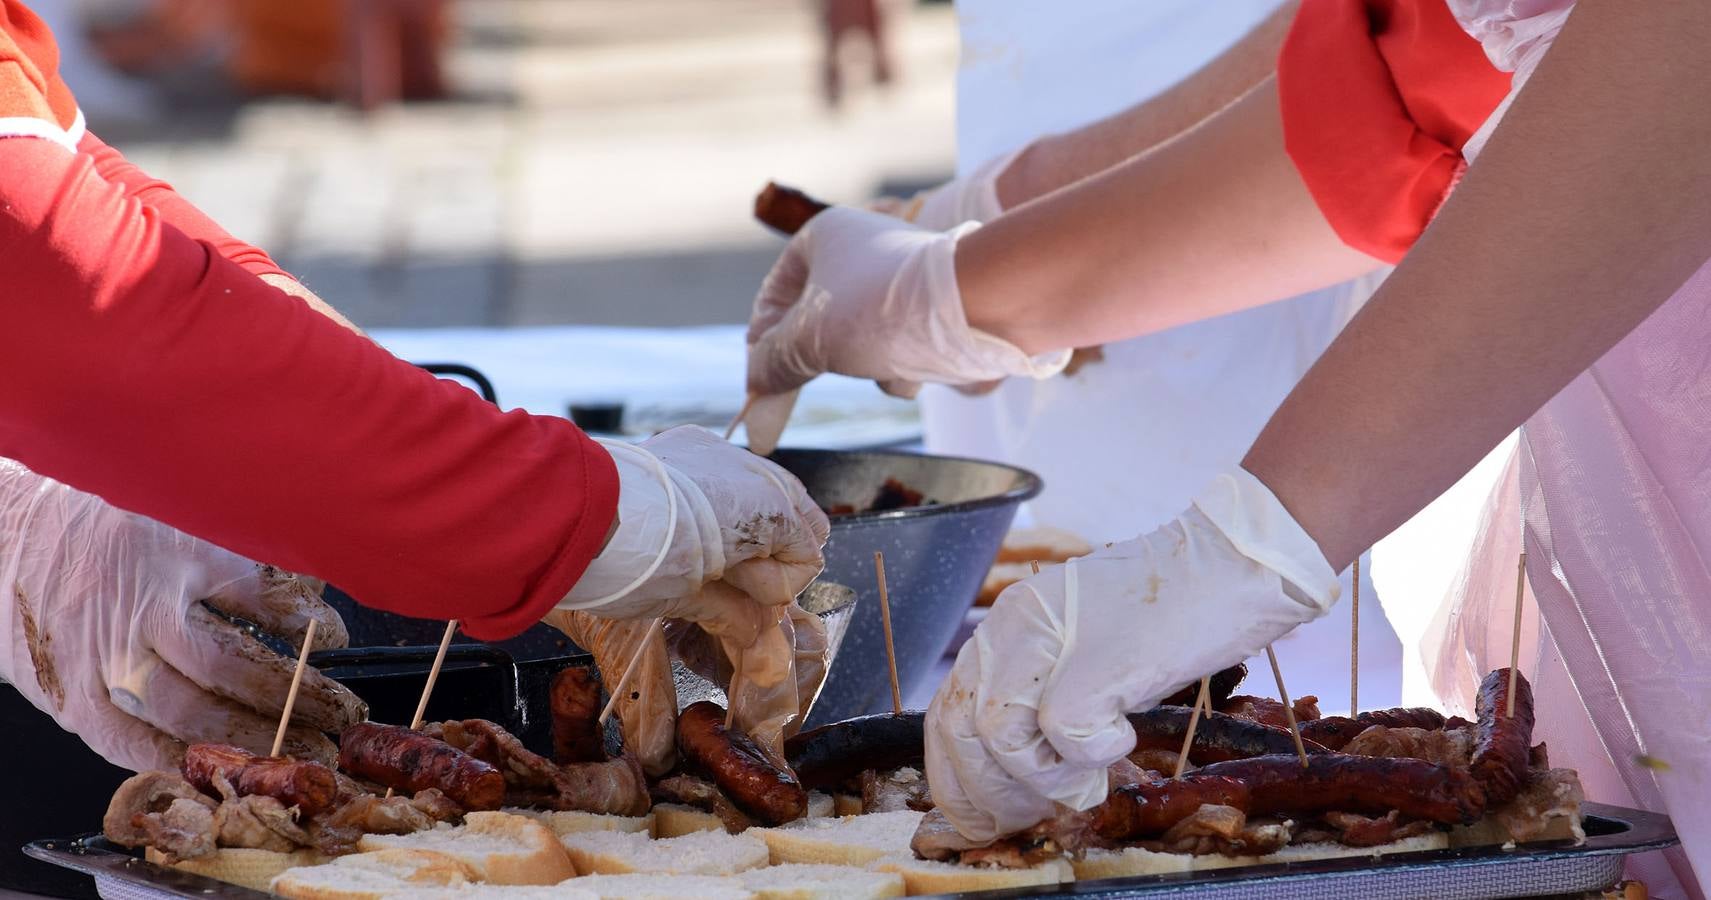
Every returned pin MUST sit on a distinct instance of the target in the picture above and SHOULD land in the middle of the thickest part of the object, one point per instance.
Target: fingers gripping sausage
(738, 767)
(410, 761)
(786, 210)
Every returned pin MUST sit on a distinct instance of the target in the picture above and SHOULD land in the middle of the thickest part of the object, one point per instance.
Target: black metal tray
(1559, 867)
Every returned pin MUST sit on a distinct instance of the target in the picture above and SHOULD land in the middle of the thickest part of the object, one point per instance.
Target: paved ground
(597, 170)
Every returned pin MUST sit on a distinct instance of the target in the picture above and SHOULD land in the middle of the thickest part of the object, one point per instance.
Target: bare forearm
(1059, 160)
(1211, 223)
(1591, 205)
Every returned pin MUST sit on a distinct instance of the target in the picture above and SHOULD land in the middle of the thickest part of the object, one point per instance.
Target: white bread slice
(499, 848)
(1131, 861)
(1490, 832)
(804, 882)
(676, 820)
(846, 804)
(373, 876)
(254, 869)
(563, 822)
(699, 853)
(821, 806)
(659, 887)
(500, 892)
(923, 876)
(849, 841)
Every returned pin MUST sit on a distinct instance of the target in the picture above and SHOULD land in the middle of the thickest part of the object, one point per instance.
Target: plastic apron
(1124, 444)
(1610, 491)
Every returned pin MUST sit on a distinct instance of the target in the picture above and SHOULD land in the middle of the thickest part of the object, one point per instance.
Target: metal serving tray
(1612, 833)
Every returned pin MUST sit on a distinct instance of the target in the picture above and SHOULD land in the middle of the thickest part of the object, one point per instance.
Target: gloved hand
(708, 532)
(115, 626)
(1033, 711)
(861, 294)
(971, 198)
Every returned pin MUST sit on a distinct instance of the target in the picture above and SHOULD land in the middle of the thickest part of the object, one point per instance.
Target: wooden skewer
(731, 691)
(1354, 644)
(1203, 700)
(1288, 711)
(1515, 641)
(433, 676)
(624, 679)
(741, 415)
(885, 620)
(296, 682)
(1035, 565)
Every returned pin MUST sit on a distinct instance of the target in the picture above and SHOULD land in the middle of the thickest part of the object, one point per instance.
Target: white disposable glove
(707, 532)
(862, 294)
(1033, 711)
(110, 627)
(971, 198)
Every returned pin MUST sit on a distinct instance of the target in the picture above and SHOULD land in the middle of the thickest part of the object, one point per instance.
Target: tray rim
(1642, 832)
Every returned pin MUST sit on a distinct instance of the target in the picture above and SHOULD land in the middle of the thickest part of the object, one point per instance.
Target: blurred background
(530, 174)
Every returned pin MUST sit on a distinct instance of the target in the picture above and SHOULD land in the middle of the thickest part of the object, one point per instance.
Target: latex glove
(862, 294)
(707, 532)
(971, 198)
(769, 685)
(110, 627)
(1033, 711)
(647, 707)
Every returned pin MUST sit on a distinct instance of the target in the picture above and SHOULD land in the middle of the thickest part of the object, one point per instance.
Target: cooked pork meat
(258, 822)
(705, 796)
(143, 795)
(1548, 794)
(616, 786)
(184, 830)
(1267, 711)
(1445, 747)
(899, 789)
(1357, 830)
(1214, 828)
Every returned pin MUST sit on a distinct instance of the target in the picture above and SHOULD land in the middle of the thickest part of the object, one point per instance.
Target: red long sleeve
(139, 364)
(173, 208)
(1378, 97)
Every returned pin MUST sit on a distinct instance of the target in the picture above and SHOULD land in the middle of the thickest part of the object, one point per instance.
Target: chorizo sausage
(1218, 737)
(1504, 748)
(738, 766)
(1362, 784)
(309, 786)
(831, 755)
(1221, 685)
(574, 700)
(410, 761)
(1334, 732)
(1151, 808)
(785, 210)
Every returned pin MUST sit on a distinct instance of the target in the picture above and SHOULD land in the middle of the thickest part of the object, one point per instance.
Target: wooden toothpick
(1202, 700)
(885, 620)
(1354, 644)
(433, 676)
(741, 414)
(624, 679)
(1035, 565)
(296, 682)
(1288, 711)
(1515, 640)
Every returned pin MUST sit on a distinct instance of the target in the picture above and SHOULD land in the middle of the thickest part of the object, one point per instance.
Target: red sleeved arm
(173, 208)
(265, 427)
(1378, 98)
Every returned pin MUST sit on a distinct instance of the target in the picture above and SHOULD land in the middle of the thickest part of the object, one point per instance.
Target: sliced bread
(659, 887)
(676, 820)
(498, 847)
(849, 841)
(254, 869)
(924, 876)
(563, 822)
(805, 882)
(373, 876)
(698, 853)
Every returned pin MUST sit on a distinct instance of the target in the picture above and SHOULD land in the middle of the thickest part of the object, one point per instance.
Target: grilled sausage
(1334, 732)
(738, 766)
(574, 700)
(309, 786)
(1217, 738)
(1501, 755)
(785, 210)
(1362, 784)
(829, 756)
(1223, 683)
(410, 761)
(1143, 810)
